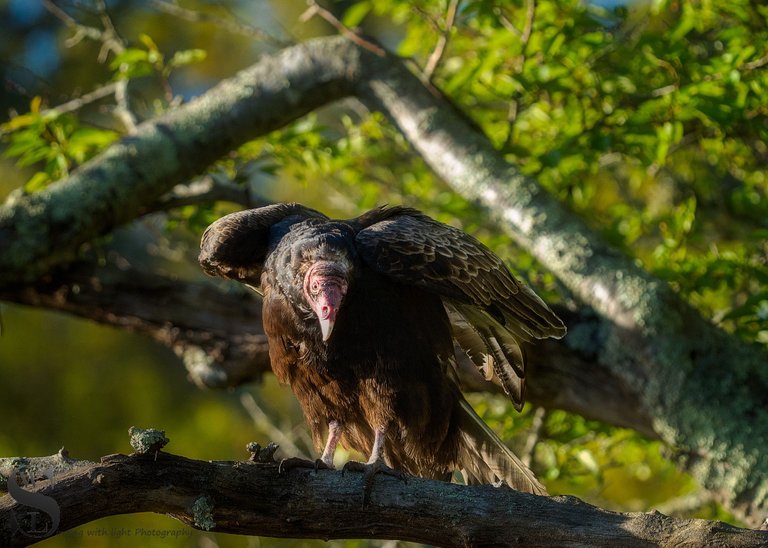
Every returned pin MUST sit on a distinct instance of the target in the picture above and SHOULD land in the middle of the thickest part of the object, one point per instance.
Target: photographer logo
(39, 516)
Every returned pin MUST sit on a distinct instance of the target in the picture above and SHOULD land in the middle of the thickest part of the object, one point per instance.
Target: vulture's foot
(298, 462)
(369, 470)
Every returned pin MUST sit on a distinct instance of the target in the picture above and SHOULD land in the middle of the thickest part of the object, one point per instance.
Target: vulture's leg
(325, 461)
(334, 434)
(375, 465)
(378, 447)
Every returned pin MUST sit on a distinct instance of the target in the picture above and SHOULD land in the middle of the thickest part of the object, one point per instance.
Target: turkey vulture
(361, 316)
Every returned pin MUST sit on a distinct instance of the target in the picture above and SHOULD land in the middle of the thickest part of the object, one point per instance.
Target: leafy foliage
(56, 142)
(138, 62)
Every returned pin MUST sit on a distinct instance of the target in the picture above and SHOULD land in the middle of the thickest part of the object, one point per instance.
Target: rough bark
(707, 392)
(251, 498)
(216, 332)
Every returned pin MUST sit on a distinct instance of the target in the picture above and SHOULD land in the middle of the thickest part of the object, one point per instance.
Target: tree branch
(230, 25)
(217, 331)
(442, 41)
(685, 373)
(206, 190)
(46, 228)
(250, 498)
(349, 34)
(85, 99)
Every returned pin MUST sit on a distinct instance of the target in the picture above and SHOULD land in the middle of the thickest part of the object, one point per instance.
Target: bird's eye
(315, 288)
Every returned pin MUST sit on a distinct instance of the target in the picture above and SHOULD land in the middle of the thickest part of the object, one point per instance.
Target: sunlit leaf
(356, 13)
(186, 57)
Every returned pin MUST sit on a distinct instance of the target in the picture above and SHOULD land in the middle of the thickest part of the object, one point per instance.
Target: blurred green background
(649, 119)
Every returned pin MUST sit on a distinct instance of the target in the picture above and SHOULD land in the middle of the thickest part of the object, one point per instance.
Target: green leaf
(756, 306)
(186, 57)
(85, 142)
(356, 13)
(154, 55)
(33, 155)
(38, 181)
(23, 142)
(132, 63)
(129, 56)
(34, 104)
(20, 121)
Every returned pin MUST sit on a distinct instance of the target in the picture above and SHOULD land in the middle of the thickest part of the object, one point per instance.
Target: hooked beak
(324, 289)
(326, 307)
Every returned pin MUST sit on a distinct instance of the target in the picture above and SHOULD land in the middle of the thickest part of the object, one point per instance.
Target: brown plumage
(361, 316)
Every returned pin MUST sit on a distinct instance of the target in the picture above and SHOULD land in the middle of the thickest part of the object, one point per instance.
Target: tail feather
(484, 458)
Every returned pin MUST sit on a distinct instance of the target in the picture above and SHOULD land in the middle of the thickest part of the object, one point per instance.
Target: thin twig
(424, 14)
(85, 99)
(623, 35)
(756, 64)
(20, 89)
(533, 437)
(442, 41)
(746, 67)
(111, 42)
(68, 20)
(264, 423)
(123, 108)
(106, 21)
(317, 9)
(525, 34)
(506, 23)
(230, 25)
(112, 39)
(715, 77)
(530, 13)
(124, 111)
(208, 189)
(686, 504)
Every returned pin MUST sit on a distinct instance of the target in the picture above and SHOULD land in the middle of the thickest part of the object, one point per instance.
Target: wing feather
(236, 245)
(492, 348)
(413, 248)
(490, 310)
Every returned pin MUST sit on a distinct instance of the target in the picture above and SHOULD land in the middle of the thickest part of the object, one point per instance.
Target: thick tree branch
(250, 498)
(46, 228)
(217, 331)
(706, 391)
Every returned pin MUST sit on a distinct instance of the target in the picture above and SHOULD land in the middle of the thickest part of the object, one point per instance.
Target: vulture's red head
(313, 261)
(325, 285)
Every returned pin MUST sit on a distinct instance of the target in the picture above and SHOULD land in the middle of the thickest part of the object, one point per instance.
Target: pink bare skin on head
(325, 285)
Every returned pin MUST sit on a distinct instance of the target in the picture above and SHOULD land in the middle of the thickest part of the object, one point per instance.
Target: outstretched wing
(490, 309)
(236, 245)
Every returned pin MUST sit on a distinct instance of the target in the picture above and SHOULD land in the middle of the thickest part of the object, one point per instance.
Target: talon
(369, 471)
(298, 462)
